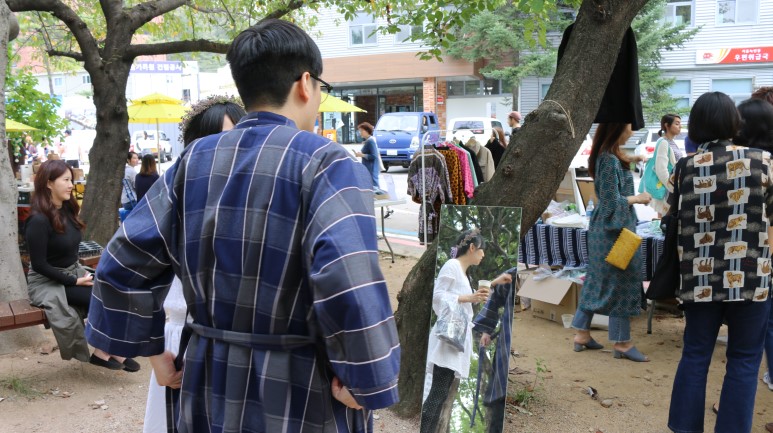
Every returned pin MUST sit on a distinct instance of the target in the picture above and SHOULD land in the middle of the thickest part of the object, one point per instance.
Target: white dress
(449, 285)
(665, 156)
(176, 311)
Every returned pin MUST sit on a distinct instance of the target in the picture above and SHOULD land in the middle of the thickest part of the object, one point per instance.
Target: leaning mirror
(465, 388)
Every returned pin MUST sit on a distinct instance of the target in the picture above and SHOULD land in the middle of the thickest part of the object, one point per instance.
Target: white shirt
(449, 285)
(71, 149)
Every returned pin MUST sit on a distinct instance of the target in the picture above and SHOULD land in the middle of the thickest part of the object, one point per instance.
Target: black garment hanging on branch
(622, 99)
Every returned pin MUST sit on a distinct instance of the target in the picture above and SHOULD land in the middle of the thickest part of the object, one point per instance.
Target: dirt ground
(60, 395)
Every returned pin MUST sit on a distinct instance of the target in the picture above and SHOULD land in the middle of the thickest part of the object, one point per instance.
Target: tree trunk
(107, 157)
(531, 169)
(12, 282)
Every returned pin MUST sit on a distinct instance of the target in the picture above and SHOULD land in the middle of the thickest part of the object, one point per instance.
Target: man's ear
(304, 87)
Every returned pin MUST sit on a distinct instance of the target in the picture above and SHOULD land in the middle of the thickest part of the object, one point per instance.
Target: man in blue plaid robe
(497, 313)
(272, 231)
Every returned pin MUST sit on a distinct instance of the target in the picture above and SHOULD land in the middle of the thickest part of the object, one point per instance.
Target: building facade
(731, 53)
(382, 74)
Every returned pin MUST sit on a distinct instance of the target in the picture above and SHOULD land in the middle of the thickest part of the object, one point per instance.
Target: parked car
(399, 136)
(462, 128)
(145, 142)
(647, 148)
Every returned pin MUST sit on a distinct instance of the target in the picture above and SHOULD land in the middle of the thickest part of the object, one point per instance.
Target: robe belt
(253, 341)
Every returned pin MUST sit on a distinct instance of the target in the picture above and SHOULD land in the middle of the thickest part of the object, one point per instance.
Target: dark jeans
(746, 323)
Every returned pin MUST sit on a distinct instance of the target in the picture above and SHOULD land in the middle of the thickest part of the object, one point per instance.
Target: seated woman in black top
(147, 176)
(56, 280)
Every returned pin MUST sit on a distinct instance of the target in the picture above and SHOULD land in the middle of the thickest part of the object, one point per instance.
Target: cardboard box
(77, 173)
(551, 297)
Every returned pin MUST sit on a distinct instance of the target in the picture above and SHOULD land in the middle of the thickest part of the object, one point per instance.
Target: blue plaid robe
(487, 320)
(271, 230)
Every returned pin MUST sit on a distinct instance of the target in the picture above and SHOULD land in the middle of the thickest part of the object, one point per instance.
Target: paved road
(401, 227)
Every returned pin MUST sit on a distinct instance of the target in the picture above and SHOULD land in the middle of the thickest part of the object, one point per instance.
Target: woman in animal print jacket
(725, 207)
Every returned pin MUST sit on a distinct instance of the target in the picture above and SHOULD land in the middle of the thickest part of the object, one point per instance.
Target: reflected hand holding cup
(484, 290)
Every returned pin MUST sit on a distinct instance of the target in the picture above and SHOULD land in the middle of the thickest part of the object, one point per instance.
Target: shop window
(58, 81)
(491, 87)
(362, 30)
(406, 33)
(86, 79)
(474, 87)
(737, 88)
(455, 88)
(678, 12)
(737, 11)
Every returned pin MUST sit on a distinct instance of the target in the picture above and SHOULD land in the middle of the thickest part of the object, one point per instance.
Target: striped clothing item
(272, 233)
(495, 319)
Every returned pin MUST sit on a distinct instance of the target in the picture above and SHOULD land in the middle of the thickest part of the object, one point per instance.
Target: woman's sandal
(633, 354)
(590, 344)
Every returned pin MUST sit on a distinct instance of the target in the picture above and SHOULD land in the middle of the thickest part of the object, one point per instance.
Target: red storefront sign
(726, 56)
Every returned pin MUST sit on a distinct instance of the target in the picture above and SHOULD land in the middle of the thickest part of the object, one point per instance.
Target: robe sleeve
(613, 208)
(351, 302)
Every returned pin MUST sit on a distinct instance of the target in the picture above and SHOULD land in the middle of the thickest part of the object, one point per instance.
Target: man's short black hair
(267, 58)
(713, 117)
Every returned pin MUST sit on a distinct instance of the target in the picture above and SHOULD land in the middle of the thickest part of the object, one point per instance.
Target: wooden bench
(20, 314)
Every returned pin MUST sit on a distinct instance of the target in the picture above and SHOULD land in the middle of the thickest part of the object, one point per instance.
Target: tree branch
(143, 13)
(111, 9)
(201, 45)
(293, 5)
(71, 54)
(79, 29)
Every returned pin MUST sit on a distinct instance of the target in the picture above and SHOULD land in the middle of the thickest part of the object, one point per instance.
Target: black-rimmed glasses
(328, 88)
(323, 84)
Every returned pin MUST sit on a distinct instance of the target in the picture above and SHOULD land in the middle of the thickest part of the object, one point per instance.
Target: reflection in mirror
(465, 388)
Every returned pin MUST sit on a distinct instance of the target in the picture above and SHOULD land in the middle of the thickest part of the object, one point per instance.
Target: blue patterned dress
(609, 290)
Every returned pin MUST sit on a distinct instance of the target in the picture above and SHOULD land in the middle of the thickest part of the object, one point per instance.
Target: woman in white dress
(209, 116)
(452, 287)
(667, 153)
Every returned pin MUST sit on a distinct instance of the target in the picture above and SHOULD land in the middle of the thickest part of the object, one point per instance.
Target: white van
(462, 128)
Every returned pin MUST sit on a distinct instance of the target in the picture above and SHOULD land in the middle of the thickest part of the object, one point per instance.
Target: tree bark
(12, 282)
(531, 169)
(111, 145)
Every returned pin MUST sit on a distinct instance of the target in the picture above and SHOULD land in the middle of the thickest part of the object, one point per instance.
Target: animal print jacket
(725, 208)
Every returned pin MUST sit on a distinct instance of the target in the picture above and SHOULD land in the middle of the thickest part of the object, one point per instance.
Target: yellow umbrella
(337, 105)
(14, 126)
(156, 108)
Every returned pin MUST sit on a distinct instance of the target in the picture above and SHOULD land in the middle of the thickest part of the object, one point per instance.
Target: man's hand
(485, 339)
(166, 373)
(502, 279)
(342, 394)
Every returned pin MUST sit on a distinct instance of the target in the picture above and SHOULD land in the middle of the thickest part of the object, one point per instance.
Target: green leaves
(30, 106)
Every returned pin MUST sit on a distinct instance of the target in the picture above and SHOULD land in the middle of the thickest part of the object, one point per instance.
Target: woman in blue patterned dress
(607, 289)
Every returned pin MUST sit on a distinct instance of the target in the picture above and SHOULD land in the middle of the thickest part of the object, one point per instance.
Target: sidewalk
(402, 245)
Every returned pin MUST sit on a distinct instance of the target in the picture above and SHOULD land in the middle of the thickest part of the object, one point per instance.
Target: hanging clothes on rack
(455, 174)
(468, 176)
(428, 185)
(473, 159)
(483, 158)
(497, 149)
